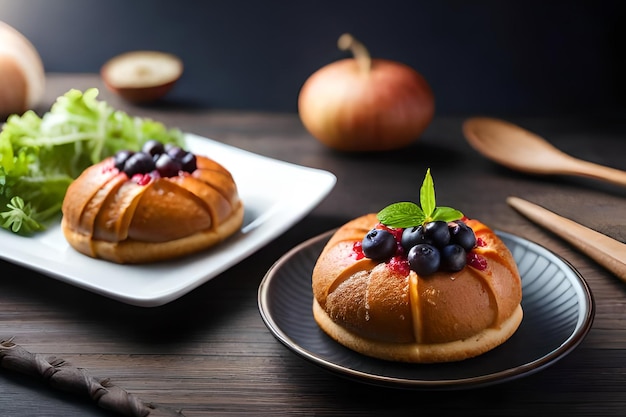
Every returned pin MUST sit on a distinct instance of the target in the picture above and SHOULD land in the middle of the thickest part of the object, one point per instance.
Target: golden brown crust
(132, 251)
(414, 352)
(381, 306)
(107, 215)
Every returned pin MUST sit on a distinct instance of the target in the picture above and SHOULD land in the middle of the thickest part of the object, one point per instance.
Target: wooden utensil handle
(606, 251)
(600, 172)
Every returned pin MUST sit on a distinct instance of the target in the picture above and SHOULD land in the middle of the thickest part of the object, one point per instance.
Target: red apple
(365, 104)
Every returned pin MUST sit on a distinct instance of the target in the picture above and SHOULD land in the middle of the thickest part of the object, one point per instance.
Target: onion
(365, 104)
(22, 76)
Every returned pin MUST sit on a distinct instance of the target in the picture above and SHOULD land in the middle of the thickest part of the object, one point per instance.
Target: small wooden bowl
(142, 76)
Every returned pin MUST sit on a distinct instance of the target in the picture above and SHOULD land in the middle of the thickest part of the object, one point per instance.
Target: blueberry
(453, 258)
(424, 259)
(167, 166)
(188, 162)
(153, 147)
(462, 234)
(437, 233)
(138, 163)
(412, 236)
(379, 244)
(121, 157)
(176, 152)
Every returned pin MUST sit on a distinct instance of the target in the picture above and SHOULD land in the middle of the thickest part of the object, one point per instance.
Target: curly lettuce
(41, 156)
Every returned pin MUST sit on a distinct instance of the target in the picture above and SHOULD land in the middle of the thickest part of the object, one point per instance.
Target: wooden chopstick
(603, 249)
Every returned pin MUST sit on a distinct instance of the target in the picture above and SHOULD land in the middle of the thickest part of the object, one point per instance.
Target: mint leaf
(427, 194)
(407, 214)
(446, 214)
(401, 215)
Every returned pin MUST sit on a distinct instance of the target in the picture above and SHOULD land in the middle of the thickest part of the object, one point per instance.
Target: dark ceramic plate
(558, 313)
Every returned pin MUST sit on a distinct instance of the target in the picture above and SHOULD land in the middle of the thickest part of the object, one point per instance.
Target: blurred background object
(367, 104)
(22, 76)
(142, 76)
(525, 58)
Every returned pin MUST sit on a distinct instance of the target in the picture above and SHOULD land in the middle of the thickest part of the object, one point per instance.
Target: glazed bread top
(106, 205)
(379, 302)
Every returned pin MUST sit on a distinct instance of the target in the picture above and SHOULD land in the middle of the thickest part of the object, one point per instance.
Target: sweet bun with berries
(417, 284)
(156, 204)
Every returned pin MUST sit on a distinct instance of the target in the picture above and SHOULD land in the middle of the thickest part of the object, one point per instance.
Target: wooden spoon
(603, 249)
(521, 150)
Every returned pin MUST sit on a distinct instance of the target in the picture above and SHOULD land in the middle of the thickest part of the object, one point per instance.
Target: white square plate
(275, 194)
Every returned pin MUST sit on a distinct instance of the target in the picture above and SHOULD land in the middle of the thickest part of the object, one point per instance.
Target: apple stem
(361, 54)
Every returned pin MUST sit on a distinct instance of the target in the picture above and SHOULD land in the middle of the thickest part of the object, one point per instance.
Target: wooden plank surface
(209, 353)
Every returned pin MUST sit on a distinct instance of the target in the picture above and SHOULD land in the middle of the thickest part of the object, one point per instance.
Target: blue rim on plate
(558, 313)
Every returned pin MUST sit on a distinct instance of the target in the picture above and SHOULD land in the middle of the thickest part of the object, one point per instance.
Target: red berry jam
(400, 265)
(476, 261)
(357, 250)
(142, 179)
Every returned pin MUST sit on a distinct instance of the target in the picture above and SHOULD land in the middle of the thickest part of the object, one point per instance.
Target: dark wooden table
(209, 352)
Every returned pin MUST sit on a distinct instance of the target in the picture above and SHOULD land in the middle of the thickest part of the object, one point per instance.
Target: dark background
(497, 57)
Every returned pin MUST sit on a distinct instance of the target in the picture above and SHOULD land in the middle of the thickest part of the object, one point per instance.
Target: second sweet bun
(144, 218)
